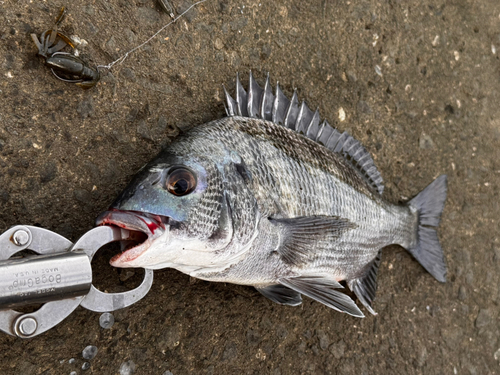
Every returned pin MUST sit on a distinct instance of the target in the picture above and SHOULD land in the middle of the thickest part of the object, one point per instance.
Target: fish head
(177, 204)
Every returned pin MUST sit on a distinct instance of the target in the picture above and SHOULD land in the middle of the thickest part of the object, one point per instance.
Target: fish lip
(153, 226)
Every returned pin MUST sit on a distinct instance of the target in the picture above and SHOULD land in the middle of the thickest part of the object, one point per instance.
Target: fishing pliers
(59, 276)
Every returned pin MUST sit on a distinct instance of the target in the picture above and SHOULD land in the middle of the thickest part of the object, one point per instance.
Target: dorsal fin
(263, 104)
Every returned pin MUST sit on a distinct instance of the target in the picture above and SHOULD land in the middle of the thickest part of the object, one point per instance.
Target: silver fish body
(269, 197)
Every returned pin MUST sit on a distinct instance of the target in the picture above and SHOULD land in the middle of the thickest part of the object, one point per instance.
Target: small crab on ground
(65, 66)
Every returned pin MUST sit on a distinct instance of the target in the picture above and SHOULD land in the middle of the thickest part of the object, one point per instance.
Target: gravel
(127, 368)
(89, 352)
(106, 320)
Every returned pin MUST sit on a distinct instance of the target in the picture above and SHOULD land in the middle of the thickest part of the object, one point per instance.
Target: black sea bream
(271, 197)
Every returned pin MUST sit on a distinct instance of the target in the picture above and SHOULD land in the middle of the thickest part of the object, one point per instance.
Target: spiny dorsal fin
(365, 286)
(267, 101)
(263, 104)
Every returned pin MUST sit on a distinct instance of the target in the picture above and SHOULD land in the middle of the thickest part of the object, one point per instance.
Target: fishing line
(123, 57)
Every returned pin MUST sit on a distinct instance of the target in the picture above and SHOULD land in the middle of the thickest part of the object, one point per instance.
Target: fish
(272, 197)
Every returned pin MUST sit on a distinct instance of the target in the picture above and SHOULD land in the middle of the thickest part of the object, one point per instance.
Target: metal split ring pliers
(59, 276)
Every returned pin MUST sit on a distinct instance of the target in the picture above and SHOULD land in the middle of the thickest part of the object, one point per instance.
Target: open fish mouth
(144, 229)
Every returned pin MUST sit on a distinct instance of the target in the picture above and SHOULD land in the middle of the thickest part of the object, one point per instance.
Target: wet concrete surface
(416, 82)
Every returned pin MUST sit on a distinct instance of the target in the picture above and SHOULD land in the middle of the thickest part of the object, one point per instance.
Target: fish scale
(291, 207)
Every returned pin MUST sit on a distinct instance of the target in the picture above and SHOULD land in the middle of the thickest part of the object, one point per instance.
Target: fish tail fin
(429, 204)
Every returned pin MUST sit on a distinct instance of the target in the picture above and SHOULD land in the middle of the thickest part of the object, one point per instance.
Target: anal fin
(365, 287)
(323, 288)
(281, 294)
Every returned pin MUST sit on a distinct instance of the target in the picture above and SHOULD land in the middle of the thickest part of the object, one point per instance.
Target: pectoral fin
(322, 288)
(281, 294)
(300, 235)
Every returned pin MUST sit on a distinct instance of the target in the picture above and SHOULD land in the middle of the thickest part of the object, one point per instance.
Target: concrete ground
(416, 82)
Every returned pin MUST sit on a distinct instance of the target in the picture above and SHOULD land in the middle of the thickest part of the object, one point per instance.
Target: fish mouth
(144, 228)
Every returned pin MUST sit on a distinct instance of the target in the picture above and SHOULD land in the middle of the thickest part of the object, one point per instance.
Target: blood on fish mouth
(144, 229)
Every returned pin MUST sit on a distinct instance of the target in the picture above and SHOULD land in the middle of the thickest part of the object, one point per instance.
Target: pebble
(85, 366)
(127, 368)
(469, 277)
(324, 341)
(168, 373)
(265, 51)
(425, 142)
(266, 323)
(126, 274)
(86, 108)
(338, 349)
(452, 337)
(301, 349)
(281, 332)
(230, 351)
(106, 320)
(71, 361)
(147, 16)
(219, 57)
(293, 33)
(363, 107)
(218, 44)
(111, 45)
(483, 318)
(198, 62)
(462, 293)
(144, 131)
(132, 115)
(92, 28)
(341, 114)
(183, 6)
(161, 125)
(9, 62)
(496, 256)
(73, 373)
(351, 76)
(4, 196)
(82, 196)
(497, 355)
(238, 23)
(89, 352)
(128, 74)
(48, 172)
(307, 334)
(171, 338)
(130, 35)
(253, 337)
(422, 357)
(280, 39)
(89, 9)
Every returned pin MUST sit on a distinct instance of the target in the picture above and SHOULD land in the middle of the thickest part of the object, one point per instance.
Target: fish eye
(180, 181)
